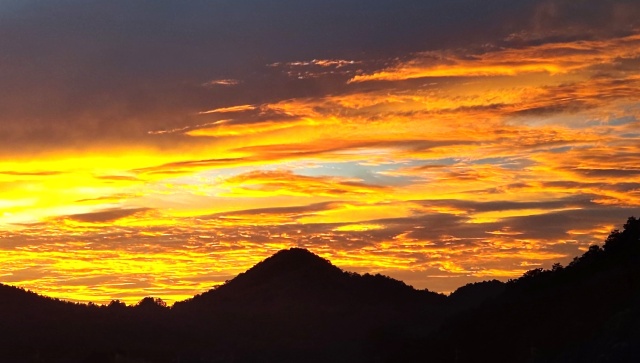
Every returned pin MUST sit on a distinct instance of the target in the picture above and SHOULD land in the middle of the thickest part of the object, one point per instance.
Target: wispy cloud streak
(438, 152)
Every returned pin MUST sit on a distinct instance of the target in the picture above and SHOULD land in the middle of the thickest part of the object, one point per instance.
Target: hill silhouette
(588, 311)
(297, 276)
(297, 307)
(295, 293)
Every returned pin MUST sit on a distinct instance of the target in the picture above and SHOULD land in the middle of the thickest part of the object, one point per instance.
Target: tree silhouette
(296, 306)
(151, 303)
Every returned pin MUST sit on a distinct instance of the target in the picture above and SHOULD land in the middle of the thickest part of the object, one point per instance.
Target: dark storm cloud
(596, 17)
(555, 225)
(580, 201)
(296, 211)
(570, 106)
(90, 73)
(608, 173)
(108, 215)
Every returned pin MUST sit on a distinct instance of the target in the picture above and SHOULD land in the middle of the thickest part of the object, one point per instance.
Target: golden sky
(163, 151)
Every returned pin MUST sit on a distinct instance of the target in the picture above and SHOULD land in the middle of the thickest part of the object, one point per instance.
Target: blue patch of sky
(368, 173)
(10, 7)
(624, 120)
(506, 163)
(492, 161)
(562, 149)
(374, 174)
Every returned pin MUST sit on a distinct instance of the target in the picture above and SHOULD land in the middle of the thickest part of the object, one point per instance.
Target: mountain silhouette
(297, 307)
(295, 293)
(298, 277)
(474, 294)
(588, 311)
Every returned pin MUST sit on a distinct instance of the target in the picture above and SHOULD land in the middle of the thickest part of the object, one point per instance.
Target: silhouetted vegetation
(585, 312)
(298, 307)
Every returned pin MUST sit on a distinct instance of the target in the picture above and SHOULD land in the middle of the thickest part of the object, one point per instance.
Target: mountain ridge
(587, 311)
(301, 276)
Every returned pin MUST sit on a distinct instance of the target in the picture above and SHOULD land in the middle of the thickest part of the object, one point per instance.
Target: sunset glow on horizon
(165, 163)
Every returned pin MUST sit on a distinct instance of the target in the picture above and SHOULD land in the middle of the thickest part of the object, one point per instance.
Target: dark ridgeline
(297, 307)
(588, 311)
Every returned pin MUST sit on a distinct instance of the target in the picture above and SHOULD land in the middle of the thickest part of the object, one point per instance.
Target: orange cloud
(512, 157)
(269, 183)
(222, 82)
(552, 58)
(240, 108)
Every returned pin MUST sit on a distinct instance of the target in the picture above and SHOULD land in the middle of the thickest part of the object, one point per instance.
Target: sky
(159, 148)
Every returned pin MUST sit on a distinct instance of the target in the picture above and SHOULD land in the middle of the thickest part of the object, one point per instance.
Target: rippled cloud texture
(161, 147)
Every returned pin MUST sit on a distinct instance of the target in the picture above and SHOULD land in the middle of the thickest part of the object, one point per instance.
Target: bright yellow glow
(358, 227)
(455, 179)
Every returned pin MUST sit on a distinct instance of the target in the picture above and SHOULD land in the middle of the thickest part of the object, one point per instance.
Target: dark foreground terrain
(298, 307)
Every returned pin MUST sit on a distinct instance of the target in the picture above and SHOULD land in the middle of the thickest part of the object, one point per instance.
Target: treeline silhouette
(587, 311)
(297, 307)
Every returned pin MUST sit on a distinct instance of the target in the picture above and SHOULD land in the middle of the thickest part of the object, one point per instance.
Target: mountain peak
(288, 275)
(292, 264)
(295, 251)
(298, 277)
(294, 258)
